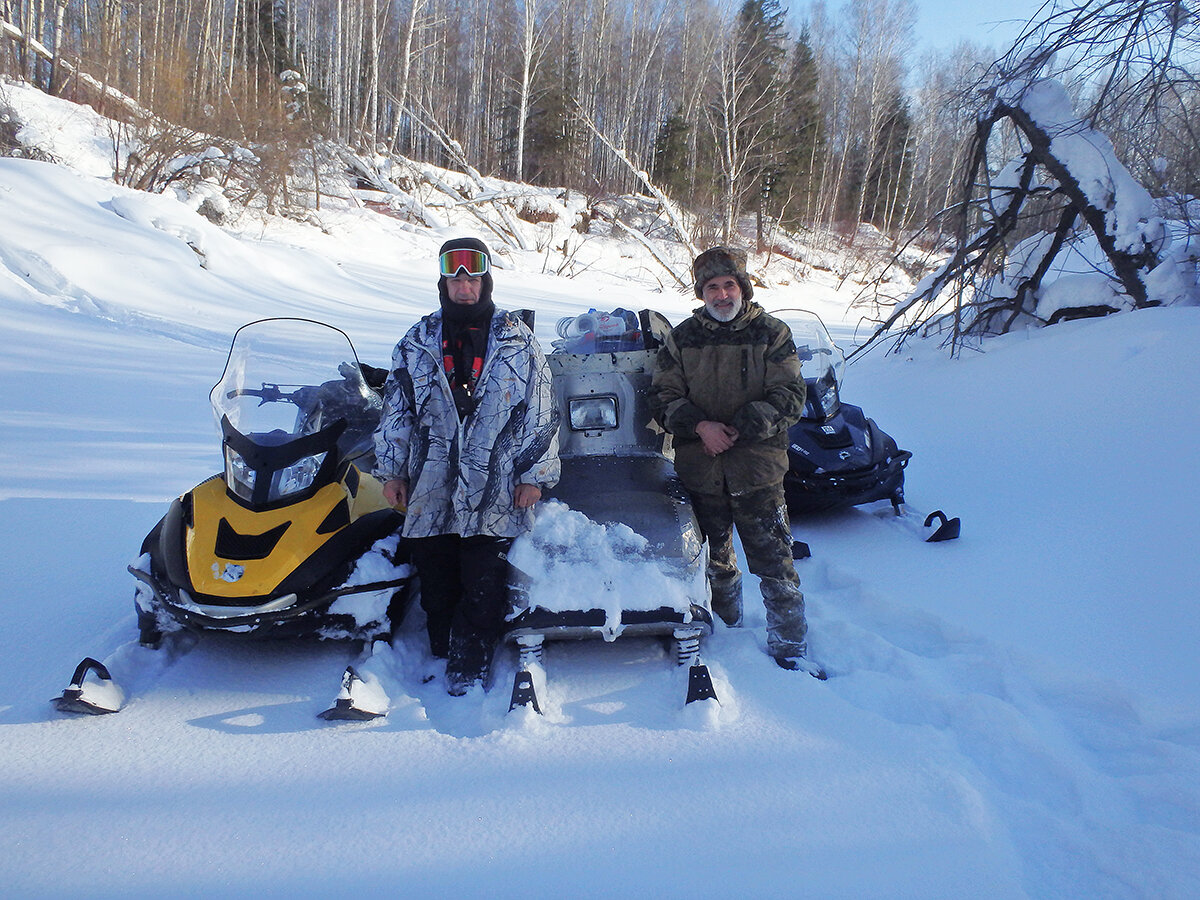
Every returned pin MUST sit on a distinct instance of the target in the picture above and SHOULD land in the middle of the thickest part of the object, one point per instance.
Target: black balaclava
(465, 329)
(475, 312)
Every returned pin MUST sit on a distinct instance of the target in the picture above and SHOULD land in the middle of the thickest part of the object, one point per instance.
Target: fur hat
(719, 261)
(467, 243)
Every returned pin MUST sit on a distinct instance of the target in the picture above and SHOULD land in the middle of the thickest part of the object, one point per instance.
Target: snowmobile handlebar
(806, 352)
(270, 393)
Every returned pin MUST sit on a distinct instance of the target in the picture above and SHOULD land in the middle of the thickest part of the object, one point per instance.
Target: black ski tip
(75, 699)
(345, 709)
(700, 686)
(72, 701)
(947, 530)
(524, 693)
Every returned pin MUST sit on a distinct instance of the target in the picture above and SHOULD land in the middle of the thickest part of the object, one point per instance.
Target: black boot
(727, 599)
(801, 663)
(469, 663)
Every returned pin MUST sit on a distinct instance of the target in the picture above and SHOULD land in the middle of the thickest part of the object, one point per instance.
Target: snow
(370, 607)
(575, 563)
(1013, 714)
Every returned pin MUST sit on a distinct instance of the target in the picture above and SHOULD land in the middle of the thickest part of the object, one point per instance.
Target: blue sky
(943, 23)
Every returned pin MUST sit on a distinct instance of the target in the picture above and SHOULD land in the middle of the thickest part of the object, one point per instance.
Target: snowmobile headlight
(239, 477)
(593, 413)
(299, 476)
(829, 399)
(822, 402)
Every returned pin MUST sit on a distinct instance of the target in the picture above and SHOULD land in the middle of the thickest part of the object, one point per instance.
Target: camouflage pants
(762, 524)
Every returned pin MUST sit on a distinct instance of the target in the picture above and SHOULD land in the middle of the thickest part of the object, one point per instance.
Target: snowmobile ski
(137, 663)
(90, 697)
(524, 692)
(687, 653)
(947, 529)
(932, 528)
(351, 705)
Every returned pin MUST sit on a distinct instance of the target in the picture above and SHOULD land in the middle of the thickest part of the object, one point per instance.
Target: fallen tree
(1104, 232)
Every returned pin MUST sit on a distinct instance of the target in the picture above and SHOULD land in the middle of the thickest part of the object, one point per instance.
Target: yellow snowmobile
(294, 537)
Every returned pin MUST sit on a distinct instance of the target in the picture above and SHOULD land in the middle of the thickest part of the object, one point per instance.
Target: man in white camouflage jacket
(468, 442)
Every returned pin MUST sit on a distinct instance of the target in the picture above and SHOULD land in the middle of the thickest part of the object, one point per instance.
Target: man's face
(464, 288)
(723, 297)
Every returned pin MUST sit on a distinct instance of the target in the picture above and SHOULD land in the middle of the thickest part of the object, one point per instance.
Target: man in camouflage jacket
(728, 386)
(467, 443)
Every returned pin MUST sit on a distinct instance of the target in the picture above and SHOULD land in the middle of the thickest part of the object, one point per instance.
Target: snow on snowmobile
(621, 518)
(837, 456)
(294, 538)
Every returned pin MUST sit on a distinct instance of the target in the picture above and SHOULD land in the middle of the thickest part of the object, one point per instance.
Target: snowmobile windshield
(822, 362)
(288, 378)
(817, 351)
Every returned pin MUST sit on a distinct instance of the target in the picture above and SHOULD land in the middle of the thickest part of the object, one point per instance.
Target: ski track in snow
(1062, 756)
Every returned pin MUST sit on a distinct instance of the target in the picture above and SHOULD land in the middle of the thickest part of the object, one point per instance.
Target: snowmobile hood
(236, 552)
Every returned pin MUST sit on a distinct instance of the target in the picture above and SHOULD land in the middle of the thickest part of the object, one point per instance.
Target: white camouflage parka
(462, 474)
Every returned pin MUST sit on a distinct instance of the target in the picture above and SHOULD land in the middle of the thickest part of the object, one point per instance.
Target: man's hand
(526, 495)
(716, 437)
(395, 492)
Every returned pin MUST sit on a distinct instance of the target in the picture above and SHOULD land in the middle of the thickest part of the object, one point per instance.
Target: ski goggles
(474, 262)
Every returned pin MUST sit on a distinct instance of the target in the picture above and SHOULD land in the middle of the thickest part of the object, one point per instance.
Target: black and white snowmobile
(620, 554)
(838, 457)
(294, 537)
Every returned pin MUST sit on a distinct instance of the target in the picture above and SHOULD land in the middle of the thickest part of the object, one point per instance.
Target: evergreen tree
(552, 132)
(265, 41)
(670, 169)
(761, 56)
(888, 178)
(800, 137)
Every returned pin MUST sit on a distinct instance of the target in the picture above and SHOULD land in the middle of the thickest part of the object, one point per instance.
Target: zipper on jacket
(488, 362)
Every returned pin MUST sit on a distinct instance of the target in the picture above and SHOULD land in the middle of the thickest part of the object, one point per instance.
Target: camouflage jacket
(462, 474)
(743, 373)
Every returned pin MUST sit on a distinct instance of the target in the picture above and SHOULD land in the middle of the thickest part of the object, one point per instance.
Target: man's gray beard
(726, 317)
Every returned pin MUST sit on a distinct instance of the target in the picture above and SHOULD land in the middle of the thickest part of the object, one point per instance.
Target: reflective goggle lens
(474, 262)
